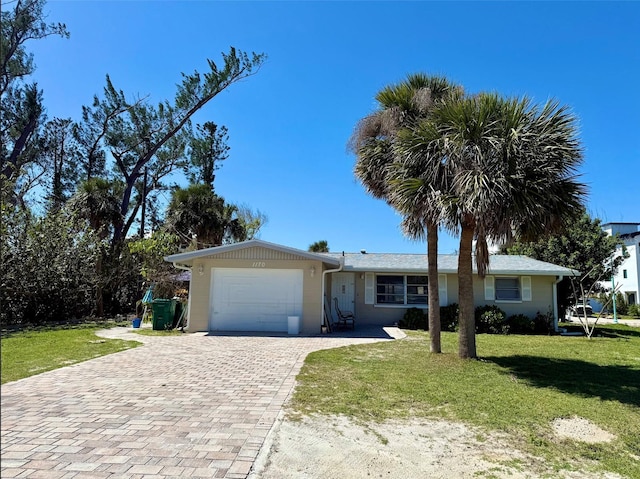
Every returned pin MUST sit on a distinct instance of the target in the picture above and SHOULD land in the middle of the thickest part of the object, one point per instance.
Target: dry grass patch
(519, 387)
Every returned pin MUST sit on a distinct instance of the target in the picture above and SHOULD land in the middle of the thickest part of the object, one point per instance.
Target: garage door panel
(254, 300)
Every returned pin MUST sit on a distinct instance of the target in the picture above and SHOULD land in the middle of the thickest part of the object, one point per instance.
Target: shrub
(543, 323)
(634, 310)
(449, 317)
(414, 318)
(621, 304)
(491, 320)
(520, 324)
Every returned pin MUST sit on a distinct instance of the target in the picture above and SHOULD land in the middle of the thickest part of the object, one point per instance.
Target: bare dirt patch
(328, 447)
(580, 429)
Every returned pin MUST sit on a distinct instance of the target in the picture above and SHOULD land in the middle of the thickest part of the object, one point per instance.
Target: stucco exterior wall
(541, 301)
(541, 297)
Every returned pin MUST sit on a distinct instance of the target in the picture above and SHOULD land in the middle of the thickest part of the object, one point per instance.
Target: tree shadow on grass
(609, 332)
(606, 331)
(580, 378)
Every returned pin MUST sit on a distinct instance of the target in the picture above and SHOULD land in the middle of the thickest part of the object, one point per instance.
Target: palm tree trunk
(467, 333)
(434, 295)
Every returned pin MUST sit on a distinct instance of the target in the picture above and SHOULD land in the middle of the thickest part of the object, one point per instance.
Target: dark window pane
(416, 299)
(390, 289)
(508, 289)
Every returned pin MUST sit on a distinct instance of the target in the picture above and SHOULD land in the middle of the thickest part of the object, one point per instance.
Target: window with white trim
(507, 289)
(401, 289)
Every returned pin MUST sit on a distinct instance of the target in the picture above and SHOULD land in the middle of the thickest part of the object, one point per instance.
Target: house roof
(386, 262)
(188, 257)
(447, 263)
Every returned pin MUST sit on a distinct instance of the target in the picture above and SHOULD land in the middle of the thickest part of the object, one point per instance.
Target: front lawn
(25, 353)
(520, 384)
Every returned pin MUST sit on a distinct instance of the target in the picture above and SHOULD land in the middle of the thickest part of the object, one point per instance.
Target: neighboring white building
(628, 275)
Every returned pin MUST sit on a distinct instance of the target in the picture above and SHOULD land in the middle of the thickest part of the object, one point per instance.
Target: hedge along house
(256, 286)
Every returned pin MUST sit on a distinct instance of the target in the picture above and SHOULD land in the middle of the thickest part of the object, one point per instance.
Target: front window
(508, 289)
(400, 289)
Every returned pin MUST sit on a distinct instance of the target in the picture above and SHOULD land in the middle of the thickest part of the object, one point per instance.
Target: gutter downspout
(324, 273)
(555, 303)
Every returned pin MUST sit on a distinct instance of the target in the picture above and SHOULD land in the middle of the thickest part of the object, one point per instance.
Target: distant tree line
(83, 221)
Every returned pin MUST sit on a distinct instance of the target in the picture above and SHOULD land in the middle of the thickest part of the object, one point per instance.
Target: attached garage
(255, 286)
(245, 299)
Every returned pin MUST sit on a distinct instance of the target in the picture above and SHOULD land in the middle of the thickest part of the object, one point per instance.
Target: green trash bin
(163, 312)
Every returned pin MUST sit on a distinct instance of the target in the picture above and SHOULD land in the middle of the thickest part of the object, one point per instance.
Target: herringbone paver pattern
(179, 406)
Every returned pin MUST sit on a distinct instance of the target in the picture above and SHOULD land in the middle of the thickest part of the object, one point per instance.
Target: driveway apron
(178, 406)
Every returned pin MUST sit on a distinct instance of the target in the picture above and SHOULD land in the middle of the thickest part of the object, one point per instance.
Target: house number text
(258, 264)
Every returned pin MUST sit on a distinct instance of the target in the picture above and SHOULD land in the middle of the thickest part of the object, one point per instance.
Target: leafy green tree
(582, 246)
(20, 101)
(48, 268)
(513, 166)
(208, 148)
(150, 253)
(390, 174)
(319, 247)
(203, 219)
(251, 221)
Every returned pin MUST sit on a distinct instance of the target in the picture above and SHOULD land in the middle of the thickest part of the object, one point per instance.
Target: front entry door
(343, 287)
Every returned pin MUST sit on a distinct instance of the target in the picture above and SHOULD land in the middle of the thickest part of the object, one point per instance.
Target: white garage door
(254, 299)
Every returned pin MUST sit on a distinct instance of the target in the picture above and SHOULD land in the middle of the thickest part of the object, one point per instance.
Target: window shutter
(442, 289)
(525, 282)
(369, 286)
(489, 288)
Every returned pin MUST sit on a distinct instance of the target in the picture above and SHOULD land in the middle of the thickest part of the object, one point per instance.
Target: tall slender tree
(20, 101)
(96, 202)
(386, 172)
(514, 169)
(59, 157)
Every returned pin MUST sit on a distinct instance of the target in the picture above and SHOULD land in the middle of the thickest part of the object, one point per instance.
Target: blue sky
(289, 124)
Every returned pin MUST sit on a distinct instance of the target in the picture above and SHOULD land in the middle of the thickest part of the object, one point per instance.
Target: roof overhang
(187, 258)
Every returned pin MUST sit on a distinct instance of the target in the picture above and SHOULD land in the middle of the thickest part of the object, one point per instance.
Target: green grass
(519, 385)
(26, 353)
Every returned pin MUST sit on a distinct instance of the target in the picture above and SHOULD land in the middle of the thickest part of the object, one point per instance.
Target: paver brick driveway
(179, 406)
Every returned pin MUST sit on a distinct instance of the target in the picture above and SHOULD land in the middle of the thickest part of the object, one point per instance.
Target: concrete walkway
(179, 406)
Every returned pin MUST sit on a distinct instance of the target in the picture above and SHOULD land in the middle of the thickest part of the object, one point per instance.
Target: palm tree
(513, 166)
(321, 246)
(196, 212)
(97, 202)
(383, 174)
